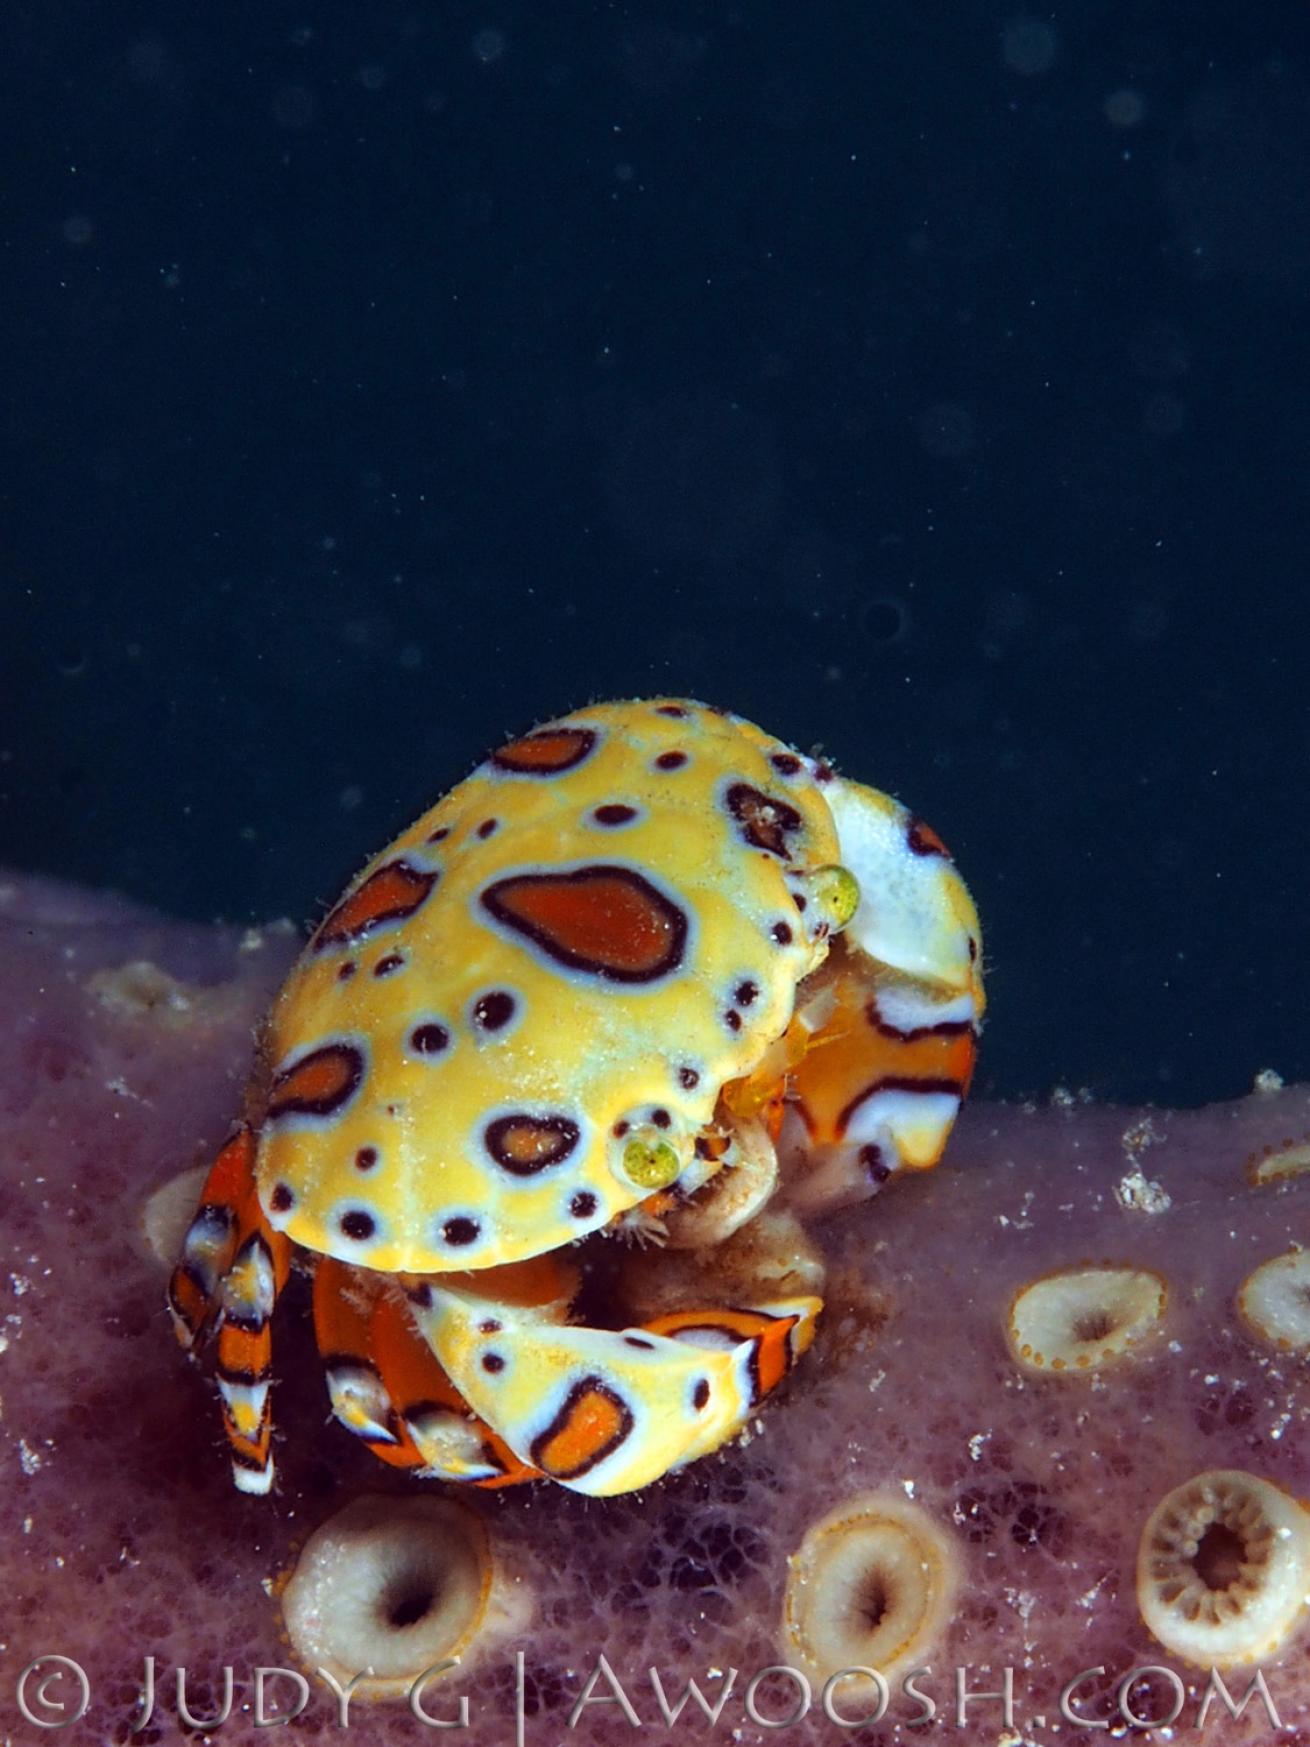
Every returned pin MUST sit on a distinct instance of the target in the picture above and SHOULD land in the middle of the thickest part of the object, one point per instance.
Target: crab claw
(605, 1411)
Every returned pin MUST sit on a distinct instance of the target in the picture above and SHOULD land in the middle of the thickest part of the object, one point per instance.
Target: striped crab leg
(232, 1268)
(388, 1389)
(892, 1017)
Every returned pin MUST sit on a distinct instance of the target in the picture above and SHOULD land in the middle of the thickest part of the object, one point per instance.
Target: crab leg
(388, 1388)
(893, 1015)
(233, 1266)
(606, 1411)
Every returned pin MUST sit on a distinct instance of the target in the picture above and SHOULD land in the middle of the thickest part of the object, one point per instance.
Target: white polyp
(1223, 1568)
(396, 1585)
(871, 1585)
(1274, 1301)
(1077, 1319)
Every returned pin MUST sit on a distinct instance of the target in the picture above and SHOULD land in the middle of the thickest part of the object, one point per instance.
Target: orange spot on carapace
(393, 892)
(318, 1084)
(546, 752)
(609, 921)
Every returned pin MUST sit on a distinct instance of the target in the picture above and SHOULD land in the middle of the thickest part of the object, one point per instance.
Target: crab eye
(649, 1160)
(835, 893)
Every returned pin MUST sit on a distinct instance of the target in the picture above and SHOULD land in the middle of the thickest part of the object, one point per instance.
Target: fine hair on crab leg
(606, 1411)
(387, 1387)
(232, 1269)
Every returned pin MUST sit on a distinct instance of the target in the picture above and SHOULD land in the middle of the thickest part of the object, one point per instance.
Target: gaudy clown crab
(646, 972)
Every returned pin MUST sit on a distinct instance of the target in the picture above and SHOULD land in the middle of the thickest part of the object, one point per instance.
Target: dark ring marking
(546, 752)
(243, 1375)
(898, 1083)
(583, 1204)
(688, 1077)
(494, 1010)
(943, 1028)
(461, 1230)
(669, 710)
(575, 1404)
(319, 1084)
(429, 1038)
(282, 1200)
(785, 763)
(523, 1144)
(610, 922)
(700, 1394)
(613, 813)
(671, 760)
(357, 1224)
(388, 895)
(766, 822)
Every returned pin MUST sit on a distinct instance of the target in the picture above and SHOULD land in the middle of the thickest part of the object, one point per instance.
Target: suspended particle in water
(946, 431)
(488, 46)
